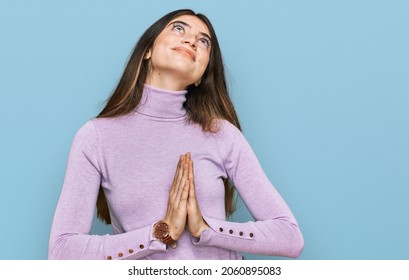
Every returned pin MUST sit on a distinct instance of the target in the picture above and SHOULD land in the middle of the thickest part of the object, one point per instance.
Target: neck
(166, 82)
(162, 103)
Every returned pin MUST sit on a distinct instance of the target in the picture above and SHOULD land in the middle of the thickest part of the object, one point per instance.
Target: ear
(148, 55)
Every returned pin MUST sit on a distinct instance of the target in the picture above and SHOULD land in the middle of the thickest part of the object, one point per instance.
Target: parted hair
(204, 103)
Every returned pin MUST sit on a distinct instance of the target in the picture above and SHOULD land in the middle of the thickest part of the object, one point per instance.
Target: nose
(191, 40)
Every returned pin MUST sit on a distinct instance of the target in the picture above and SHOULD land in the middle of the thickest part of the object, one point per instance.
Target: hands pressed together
(183, 209)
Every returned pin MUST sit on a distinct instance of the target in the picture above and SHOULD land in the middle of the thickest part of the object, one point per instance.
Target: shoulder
(86, 134)
(226, 129)
(229, 136)
(107, 126)
(86, 130)
(92, 129)
(110, 122)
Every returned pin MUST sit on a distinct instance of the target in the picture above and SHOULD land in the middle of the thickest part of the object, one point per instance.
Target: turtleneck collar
(161, 103)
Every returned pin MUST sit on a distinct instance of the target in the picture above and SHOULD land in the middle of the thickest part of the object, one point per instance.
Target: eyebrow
(187, 25)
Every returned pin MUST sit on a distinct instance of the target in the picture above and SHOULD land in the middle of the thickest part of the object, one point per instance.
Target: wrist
(173, 231)
(202, 228)
(162, 231)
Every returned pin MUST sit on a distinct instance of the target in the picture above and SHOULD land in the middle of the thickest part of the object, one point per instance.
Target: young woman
(161, 158)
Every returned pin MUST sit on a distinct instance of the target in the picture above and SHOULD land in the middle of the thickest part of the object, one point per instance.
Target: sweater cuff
(221, 231)
(155, 244)
(139, 249)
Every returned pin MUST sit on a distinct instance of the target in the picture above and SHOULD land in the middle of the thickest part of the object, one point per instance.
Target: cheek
(160, 50)
(159, 56)
(203, 62)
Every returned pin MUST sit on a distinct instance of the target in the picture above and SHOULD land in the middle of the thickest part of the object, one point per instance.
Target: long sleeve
(70, 233)
(275, 230)
(133, 157)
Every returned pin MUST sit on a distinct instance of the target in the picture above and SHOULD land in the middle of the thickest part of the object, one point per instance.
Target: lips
(187, 52)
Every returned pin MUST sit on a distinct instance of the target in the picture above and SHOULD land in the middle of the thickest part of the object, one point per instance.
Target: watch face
(161, 230)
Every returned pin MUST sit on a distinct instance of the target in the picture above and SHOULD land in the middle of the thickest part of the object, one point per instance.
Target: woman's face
(181, 51)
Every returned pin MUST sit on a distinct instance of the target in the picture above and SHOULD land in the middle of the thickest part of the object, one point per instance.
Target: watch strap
(168, 240)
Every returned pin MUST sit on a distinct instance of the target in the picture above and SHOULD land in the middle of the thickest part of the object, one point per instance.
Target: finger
(192, 191)
(188, 158)
(191, 174)
(177, 171)
(181, 184)
(185, 194)
(191, 177)
(177, 178)
(192, 197)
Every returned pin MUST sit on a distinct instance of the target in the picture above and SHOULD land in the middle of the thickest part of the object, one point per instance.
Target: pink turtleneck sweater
(134, 158)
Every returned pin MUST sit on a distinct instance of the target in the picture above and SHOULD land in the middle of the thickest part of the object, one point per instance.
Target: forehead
(194, 22)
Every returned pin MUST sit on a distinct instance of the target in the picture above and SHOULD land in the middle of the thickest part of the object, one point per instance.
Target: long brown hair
(204, 103)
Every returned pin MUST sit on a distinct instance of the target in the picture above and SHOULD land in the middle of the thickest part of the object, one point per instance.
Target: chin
(185, 70)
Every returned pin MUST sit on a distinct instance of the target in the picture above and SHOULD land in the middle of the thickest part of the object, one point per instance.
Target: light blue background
(321, 88)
